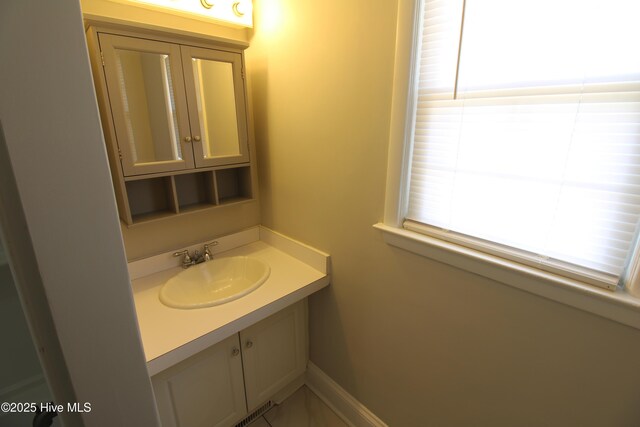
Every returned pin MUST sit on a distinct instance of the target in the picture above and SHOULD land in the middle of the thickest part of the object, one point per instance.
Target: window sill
(615, 305)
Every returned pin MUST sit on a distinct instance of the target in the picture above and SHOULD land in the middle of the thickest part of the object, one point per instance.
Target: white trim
(633, 285)
(347, 407)
(631, 278)
(553, 266)
(619, 305)
(407, 38)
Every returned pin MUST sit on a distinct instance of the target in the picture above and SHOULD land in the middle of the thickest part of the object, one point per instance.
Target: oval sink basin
(214, 282)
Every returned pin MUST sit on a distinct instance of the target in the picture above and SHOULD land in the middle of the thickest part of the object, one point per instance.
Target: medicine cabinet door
(146, 91)
(217, 110)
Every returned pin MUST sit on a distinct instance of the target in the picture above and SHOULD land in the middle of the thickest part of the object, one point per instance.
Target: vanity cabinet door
(205, 390)
(274, 353)
(217, 108)
(146, 92)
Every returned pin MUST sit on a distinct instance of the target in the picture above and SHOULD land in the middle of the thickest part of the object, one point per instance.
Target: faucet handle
(208, 245)
(186, 260)
(185, 253)
(207, 250)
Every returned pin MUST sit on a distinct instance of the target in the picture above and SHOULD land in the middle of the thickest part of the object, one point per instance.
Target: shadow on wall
(259, 106)
(325, 316)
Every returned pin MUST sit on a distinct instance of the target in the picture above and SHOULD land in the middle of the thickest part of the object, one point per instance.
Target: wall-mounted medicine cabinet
(174, 113)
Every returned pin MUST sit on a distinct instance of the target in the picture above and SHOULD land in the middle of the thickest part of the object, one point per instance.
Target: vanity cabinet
(205, 390)
(174, 114)
(221, 385)
(274, 353)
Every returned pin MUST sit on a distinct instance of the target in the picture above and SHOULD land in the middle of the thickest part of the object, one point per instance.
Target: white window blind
(526, 134)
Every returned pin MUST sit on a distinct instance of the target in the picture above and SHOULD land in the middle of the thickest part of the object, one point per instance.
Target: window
(523, 132)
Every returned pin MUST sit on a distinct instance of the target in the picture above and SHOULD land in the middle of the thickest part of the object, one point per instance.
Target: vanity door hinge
(242, 73)
(102, 57)
(120, 153)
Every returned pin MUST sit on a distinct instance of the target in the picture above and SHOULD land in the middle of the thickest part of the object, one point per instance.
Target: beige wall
(418, 342)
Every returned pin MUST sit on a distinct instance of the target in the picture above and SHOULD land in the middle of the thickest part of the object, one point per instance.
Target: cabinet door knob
(249, 344)
(187, 139)
(235, 351)
(196, 138)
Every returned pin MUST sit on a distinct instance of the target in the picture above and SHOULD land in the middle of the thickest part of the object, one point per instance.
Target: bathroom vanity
(175, 116)
(224, 362)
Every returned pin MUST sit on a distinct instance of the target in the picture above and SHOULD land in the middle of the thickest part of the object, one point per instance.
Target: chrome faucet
(197, 258)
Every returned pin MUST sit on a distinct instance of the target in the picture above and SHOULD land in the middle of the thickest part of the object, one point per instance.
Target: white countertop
(170, 335)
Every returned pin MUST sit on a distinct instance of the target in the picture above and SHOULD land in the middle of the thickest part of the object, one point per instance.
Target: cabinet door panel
(205, 390)
(146, 91)
(274, 353)
(217, 110)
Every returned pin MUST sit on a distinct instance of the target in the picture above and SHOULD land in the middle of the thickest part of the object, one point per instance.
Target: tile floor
(302, 409)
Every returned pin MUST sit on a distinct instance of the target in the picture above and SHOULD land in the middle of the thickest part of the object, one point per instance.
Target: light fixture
(238, 8)
(234, 13)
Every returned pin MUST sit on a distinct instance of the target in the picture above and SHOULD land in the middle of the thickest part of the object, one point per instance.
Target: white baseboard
(339, 400)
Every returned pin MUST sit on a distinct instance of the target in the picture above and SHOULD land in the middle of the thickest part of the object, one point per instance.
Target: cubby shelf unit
(154, 197)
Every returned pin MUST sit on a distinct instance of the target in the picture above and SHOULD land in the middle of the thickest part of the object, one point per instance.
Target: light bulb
(239, 8)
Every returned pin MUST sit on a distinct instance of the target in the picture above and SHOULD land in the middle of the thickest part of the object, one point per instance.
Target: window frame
(621, 304)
